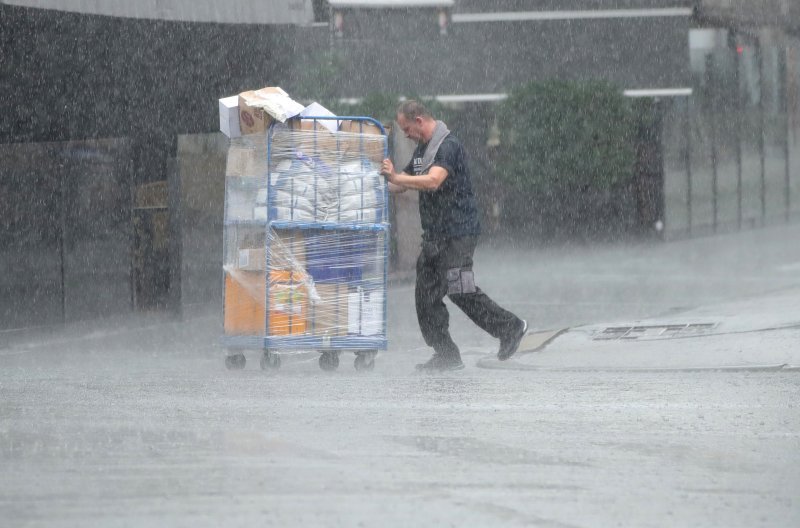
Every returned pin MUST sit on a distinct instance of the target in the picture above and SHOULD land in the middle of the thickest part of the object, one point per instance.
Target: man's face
(411, 128)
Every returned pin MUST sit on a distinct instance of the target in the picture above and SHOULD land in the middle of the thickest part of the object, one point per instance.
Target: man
(449, 215)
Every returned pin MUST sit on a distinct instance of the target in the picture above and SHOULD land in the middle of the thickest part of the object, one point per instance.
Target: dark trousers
(444, 267)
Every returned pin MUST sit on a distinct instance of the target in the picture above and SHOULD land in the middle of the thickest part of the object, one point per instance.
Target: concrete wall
(201, 168)
(65, 232)
(490, 55)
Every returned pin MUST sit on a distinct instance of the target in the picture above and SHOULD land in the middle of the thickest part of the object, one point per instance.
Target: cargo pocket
(460, 281)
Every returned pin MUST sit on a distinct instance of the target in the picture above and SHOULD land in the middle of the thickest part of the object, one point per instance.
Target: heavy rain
(217, 309)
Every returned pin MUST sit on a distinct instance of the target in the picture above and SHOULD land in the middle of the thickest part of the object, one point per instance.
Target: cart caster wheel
(235, 362)
(364, 361)
(329, 361)
(270, 361)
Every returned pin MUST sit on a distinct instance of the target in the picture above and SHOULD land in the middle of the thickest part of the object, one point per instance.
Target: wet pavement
(137, 423)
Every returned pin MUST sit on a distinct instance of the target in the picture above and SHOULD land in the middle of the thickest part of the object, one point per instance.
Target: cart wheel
(329, 361)
(270, 361)
(235, 362)
(365, 361)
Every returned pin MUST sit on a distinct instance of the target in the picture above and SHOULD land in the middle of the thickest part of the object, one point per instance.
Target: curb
(493, 364)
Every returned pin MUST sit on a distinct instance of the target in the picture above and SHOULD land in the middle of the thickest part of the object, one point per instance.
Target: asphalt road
(141, 425)
(170, 439)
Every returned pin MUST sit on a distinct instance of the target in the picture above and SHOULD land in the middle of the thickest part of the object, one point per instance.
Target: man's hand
(424, 182)
(387, 170)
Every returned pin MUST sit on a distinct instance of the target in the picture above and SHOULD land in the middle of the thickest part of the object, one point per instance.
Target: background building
(110, 163)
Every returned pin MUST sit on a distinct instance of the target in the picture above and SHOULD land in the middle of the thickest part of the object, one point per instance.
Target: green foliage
(565, 135)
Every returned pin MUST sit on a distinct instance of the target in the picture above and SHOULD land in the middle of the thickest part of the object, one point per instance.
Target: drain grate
(654, 331)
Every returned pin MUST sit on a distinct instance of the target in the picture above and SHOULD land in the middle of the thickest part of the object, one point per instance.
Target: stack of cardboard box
(298, 305)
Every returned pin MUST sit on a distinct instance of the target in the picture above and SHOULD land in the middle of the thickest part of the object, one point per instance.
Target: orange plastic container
(244, 303)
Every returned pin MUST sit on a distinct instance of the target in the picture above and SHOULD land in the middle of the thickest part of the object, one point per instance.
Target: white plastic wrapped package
(338, 177)
(361, 193)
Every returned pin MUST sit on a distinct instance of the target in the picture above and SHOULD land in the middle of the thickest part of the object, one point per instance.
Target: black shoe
(510, 344)
(441, 363)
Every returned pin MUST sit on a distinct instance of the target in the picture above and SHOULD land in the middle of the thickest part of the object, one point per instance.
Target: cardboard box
(244, 303)
(304, 138)
(365, 313)
(252, 259)
(288, 248)
(229, 116)
(317, 110)
(252, 120)
(258, 108)
(310, 137)
(288, 303)
(245, 293)
(308, 125)
(313, 139)
(329, 313)
(247, 160)
(359, 127)
(361, 139)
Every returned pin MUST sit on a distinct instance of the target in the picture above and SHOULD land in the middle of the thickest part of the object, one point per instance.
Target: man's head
(415, 121)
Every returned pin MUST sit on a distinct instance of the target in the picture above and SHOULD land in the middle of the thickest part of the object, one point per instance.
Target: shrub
(566, 155)
(559, 133)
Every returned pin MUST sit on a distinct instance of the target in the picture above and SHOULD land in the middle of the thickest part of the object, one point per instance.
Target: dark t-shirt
(451, 210)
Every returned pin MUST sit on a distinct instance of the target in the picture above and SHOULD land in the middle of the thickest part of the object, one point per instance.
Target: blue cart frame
(365, 347)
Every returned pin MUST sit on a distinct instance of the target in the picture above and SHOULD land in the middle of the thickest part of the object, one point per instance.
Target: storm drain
(654, 331)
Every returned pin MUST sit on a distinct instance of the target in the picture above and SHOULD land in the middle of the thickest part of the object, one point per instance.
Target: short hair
(412, 109)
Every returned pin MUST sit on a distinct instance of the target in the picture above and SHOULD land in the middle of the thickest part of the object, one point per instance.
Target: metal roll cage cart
(306, 245)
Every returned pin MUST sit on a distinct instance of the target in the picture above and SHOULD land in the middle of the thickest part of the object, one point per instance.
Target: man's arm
(424, 182)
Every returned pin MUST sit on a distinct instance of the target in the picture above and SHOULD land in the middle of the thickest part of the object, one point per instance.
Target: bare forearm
(424, 182)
